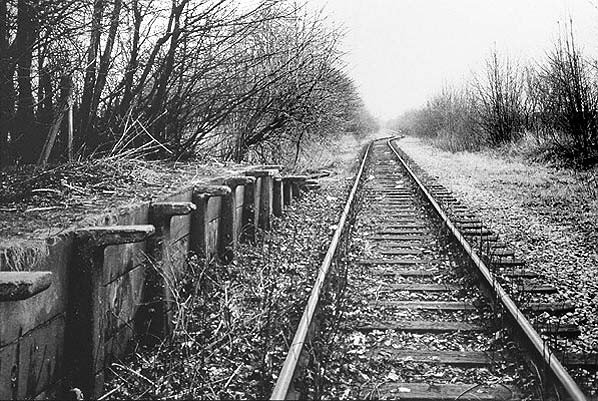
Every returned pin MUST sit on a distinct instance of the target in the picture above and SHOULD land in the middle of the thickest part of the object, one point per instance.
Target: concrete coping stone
(208, 191)
(261, 173)
(169, 209)
(239, 180)
(270, 166)
(102, 236)
(18, 286)
(321, 174)
(295, 178)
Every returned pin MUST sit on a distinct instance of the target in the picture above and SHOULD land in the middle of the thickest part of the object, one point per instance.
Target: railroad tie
(423, 305)
(393, 261)
(421, 326)
(401, 251)
(398, 231)
(422, 287)
(406, 273)
(553, 308)
(397, 238)
(442, 392)
(453, 358)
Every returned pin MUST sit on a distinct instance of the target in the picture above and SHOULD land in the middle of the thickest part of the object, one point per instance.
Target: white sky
(399, 52)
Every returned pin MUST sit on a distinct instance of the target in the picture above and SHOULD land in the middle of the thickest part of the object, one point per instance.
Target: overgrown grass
(21, 255)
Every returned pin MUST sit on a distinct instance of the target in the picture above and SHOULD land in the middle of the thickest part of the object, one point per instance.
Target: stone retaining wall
(112, 283)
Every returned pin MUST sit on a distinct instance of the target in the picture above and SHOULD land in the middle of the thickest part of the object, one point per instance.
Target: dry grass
(21, 255)
(36, 203)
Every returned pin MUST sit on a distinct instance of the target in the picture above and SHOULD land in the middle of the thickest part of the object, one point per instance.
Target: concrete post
(204, 222)
(86, 314)
(287, 191)
(233, 209)
(263, 205)
(297, 182)
(251, 201)
(158, 305)
(278, 196)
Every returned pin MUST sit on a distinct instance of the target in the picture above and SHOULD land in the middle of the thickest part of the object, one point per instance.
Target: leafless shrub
(500, 101)
(448, 118)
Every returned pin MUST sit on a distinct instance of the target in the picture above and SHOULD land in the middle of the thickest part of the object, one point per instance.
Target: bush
(448, 118)
(566, 91)
(500, 102)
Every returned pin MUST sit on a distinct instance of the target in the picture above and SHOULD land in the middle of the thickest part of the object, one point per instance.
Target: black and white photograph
(299, 199)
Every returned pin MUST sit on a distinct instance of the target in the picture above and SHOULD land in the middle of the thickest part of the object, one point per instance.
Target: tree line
(169, 79)
(552, 104)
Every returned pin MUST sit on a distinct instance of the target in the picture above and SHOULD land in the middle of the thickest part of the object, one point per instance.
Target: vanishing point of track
(431, 289)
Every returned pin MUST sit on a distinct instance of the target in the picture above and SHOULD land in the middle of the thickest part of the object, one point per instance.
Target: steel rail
(285, 378)
(525, 326)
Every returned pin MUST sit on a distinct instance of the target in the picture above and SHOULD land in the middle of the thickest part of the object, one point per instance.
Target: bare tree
(167, 79)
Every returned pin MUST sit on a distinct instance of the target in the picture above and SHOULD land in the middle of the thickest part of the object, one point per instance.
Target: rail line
(432, 295)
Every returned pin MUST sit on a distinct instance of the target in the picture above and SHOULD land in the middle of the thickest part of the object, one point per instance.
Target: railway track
(432, 301)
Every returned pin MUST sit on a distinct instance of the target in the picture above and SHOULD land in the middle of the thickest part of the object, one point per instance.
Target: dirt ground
(548, 216)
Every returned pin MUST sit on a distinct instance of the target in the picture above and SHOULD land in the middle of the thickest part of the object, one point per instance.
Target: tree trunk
(127, 97)
(105, 62)
(24, 129)
(45, 97)
(6, 88)
(160, 89)
(64, 106)
(85, 110)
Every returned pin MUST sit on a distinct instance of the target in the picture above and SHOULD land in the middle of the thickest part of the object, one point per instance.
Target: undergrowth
(235, 322)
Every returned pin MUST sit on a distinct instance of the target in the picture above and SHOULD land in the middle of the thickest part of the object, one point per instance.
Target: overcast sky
(399, 52)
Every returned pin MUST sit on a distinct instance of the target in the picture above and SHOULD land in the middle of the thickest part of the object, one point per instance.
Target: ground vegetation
(234, 322)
